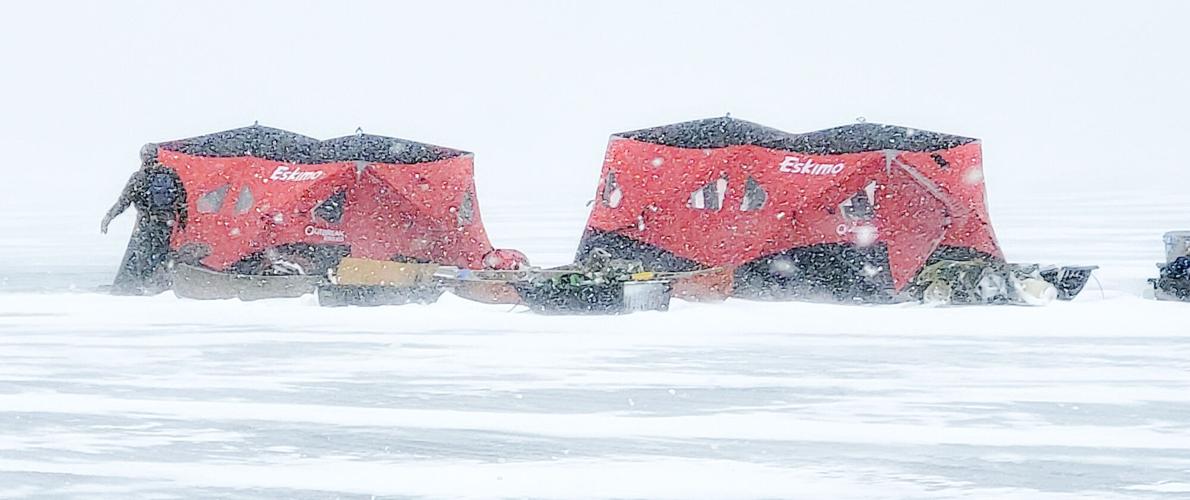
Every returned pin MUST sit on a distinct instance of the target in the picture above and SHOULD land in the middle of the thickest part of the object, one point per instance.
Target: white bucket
(1036, 292)
(646, 296)
(1177, 244)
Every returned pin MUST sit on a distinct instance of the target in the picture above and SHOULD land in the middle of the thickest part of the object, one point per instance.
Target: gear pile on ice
(981, 281)
(599, 268)
(597, 284)
(1173, 282)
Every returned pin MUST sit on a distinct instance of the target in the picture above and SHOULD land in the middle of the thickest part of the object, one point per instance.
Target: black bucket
(1069, 280)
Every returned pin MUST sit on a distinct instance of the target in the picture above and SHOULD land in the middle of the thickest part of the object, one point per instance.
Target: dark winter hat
(148, 153)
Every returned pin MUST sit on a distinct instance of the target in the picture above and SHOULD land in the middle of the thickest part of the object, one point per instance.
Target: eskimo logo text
(284, 173)
(795, 165)
(326, 234)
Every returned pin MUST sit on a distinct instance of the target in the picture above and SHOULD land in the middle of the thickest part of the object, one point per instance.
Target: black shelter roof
(259, 141)
(281, 145)
(861, 137)
(712, 133)
(854, 138)
(381, 149)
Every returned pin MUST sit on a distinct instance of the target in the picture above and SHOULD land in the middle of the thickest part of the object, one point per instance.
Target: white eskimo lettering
(294, 174)
(795, 165)
(326, 234)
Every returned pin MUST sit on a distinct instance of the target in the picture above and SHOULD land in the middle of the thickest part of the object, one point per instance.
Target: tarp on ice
(846, 213)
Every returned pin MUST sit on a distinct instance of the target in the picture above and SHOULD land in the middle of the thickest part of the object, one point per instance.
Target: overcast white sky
(1055, 89)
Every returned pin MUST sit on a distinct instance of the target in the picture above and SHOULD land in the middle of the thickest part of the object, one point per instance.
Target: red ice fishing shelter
(256, 190)
(848, 213)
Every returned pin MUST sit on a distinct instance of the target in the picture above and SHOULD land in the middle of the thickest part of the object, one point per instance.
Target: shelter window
(244, 201)
(612, 194)
(211, 201)
(710, 196)
(860, 206)
(754, 196)
(466, 212)
(331, 210)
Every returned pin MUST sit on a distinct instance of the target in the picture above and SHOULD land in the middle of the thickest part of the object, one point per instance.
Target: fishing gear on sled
(980, 281)
(1173, 280)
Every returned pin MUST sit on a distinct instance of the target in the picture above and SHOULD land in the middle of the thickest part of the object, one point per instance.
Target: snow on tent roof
(381, 149)
(861, 137)
(262, 142)
(855, 138)
(281, 145)
(712, 133)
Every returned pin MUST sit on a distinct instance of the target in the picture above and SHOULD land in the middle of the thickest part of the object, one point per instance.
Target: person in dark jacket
(160, 200)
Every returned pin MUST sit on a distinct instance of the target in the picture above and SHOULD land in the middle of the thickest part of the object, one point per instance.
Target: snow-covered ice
(159, 397)
(1081, 107)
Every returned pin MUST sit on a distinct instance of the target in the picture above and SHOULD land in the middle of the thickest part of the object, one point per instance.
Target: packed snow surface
(115, 397)
(105, 397)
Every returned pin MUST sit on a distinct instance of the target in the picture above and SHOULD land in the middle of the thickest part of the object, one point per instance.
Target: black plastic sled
(602, 298)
